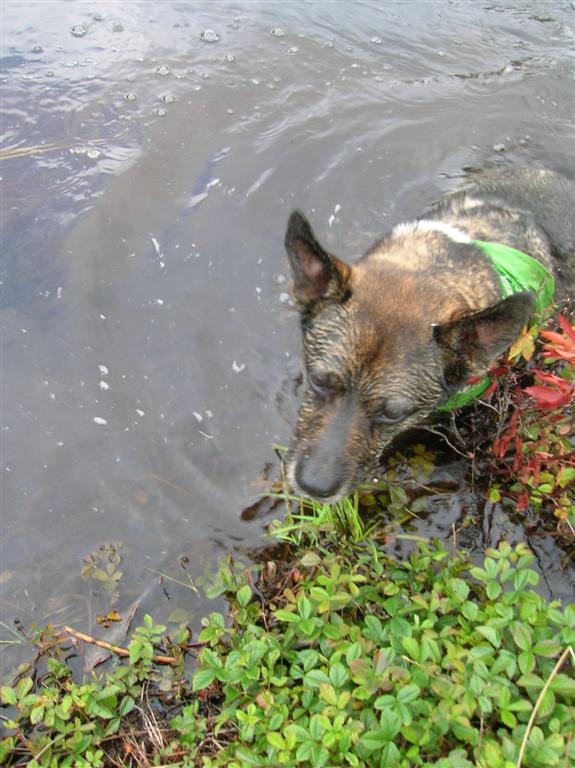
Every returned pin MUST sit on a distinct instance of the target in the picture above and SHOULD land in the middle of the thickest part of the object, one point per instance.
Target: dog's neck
(427, 225)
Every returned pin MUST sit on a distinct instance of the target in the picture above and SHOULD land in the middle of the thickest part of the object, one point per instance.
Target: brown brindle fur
(388, 338)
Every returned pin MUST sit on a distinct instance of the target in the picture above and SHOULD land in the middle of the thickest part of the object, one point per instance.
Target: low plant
(60, 723)
(534, 453)
(380, 663)
(331, 661)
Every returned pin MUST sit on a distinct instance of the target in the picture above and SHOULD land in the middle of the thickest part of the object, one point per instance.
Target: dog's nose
(318, 484)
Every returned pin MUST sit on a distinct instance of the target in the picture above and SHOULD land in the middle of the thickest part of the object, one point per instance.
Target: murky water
(152, 153)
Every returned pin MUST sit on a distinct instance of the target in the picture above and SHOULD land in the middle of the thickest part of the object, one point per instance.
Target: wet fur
(387, 339)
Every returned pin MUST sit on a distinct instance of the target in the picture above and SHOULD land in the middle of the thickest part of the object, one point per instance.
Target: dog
(389, 339)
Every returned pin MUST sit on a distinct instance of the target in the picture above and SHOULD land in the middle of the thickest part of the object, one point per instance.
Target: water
(152, 153)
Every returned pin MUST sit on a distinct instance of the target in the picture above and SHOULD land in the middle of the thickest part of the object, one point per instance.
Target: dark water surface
(147, 177)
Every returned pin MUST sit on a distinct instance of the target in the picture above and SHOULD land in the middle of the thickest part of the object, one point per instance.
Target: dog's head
(384, 341)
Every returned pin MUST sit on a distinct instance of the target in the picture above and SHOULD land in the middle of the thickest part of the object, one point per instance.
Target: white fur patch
(425, 225)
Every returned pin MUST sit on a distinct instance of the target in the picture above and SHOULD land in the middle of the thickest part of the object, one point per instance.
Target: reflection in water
(149, 165)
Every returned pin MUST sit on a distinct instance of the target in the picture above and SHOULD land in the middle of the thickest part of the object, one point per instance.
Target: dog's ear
(472, 342)
(316, 273)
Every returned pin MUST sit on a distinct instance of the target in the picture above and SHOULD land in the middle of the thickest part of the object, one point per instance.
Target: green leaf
(247, 757)
(411, 647)
(328, 694)
(493, 589)
(126, 705)
(316, 728)
(24, 687)
(390, 756)
(289, 616)
(408, 694)
(390, 724)
(470, 610)
(315, 678)
(338, 675)
(547, 648)
(305, 607)
(9, 696)
(491, 634)
(373, 740)
(202, 678)
(307, 626)
(211, 658)
(563, 685)
(531, 681)
(276, 740)
(353, 652)
(521, 635)
(459, 588)
(244, 595)
(526, 662)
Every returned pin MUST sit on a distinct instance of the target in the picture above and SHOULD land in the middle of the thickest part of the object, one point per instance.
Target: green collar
(517, 272)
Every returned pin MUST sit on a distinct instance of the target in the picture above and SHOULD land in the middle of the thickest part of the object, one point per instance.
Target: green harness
(517, 272)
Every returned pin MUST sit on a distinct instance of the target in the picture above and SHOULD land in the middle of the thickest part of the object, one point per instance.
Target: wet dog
(388, 339)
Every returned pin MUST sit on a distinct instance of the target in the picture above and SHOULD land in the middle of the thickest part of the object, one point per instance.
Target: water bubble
(210, 36)
(229, 58)
(293, 49)
(131, 97)
(331, 44)
(377, 40)
(163, 70)
(97, 17)
(117, 27)
(284, 298)
(499, 147)
(206, 75)
(168, 98)
(79, 30)
(37, 49)
(160, 112)
(278, 32)
(93, 153)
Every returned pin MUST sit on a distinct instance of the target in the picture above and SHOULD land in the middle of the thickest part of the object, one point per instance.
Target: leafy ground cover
(341, 654)
(343, 658)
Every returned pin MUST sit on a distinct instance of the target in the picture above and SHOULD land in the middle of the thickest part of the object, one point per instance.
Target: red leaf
(522, 502)
(567, 327)
(559, 345)
(490, 390)
(545, 397)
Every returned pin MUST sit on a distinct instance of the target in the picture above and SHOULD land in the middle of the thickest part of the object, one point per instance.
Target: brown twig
(117, 649)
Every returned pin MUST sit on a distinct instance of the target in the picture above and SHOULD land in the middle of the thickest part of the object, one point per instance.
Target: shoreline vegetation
(340, 653)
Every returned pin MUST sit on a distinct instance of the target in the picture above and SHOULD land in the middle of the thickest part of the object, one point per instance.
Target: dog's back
(530, 209)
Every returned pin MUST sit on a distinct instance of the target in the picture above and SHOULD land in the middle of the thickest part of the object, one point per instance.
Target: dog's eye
(322, 383)
(393, 411)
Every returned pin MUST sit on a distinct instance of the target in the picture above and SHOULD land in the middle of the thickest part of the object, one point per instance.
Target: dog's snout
(319, 481)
